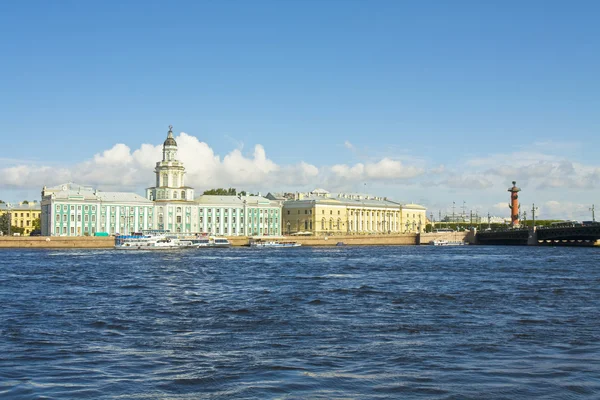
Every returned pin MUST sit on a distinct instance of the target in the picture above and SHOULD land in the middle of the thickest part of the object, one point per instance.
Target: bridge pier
(532, 240)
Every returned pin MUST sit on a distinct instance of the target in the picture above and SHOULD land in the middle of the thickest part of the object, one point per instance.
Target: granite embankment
(350, 240)
(54, 242)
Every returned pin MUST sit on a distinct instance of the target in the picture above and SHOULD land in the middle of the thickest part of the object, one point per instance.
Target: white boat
(220, 242)
(441, 242)
(273, 243)
(151, 243)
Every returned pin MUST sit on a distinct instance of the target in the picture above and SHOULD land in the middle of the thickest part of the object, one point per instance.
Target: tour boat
(150, 243)
(441, 242)
(273, 243)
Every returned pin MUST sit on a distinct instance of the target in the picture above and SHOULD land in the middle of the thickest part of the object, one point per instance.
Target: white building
(79, 210)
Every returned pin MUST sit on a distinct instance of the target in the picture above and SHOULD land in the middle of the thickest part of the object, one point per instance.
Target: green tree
(222, 192)
(1, 201)
(37, 224)
(25, 202)
(4, 226)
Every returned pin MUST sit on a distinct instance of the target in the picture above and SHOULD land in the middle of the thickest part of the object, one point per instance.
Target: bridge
(570, 235)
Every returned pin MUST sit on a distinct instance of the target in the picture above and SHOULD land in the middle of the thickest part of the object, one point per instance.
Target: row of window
(24, 215)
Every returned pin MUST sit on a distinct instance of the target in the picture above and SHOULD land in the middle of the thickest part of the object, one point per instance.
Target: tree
(2, 202)
(221, 192)
(25, 202)
(4, 223)
(4, 226)
(37, 224)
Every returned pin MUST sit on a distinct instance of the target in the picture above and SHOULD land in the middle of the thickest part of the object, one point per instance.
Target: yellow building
(322, 213)
(22, 215)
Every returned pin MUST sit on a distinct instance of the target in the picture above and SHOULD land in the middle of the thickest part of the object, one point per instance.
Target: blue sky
(456, 94)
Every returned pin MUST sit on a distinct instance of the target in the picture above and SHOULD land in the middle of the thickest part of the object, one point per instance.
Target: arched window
(331, 224)
(339, 224)
(183, 194)
(165, 181)
(323, 224)
(174, 195)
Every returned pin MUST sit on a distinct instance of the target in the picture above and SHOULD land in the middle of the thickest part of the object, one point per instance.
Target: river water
(305, 323)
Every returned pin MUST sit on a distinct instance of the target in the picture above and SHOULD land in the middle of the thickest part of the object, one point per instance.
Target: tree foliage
(222, 192)
(4, 226)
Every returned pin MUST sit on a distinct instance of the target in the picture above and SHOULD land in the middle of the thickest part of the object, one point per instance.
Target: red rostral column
(514, 204)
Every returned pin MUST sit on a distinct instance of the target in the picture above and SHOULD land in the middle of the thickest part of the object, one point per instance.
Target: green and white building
(78, 210)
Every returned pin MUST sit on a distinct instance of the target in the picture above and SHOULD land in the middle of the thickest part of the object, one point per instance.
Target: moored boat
(150, 243)
(274, 243)
(441, 242)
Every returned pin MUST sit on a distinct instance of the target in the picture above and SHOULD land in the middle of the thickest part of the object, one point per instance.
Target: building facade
(79, 210)
(22, 215)
(322, 213)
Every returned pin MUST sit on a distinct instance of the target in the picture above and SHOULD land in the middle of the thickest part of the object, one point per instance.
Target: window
(174, 195)
(72, 218)
(288, 212)
(178, 209)
(57, 230)
(86, 218)
(201, 219)
(218, 220)
(225, 219)
(209, 220)
(79, 218)
(79, 208)
(179, 219)
(330, 212)
(322, 211)
(57, 217)
(57, 208)
(72, 208)
(338, 212)
(64, 230)
(305, 212)
(27, 215)
(86, 208)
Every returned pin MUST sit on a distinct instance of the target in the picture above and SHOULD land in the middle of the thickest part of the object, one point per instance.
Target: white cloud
(385, 169)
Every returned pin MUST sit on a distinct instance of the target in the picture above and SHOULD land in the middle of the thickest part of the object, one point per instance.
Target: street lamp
(9, 219)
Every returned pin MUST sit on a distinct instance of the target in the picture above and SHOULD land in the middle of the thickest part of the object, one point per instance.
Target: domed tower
(514, 204)
(170, 172)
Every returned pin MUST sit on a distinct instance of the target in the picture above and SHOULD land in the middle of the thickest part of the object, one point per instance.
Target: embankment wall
(43, 242)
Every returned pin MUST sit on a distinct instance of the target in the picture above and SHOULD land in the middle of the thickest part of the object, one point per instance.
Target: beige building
(322, 213)
(22, 215)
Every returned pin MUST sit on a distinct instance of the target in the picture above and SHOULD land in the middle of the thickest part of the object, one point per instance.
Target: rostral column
(514, 204)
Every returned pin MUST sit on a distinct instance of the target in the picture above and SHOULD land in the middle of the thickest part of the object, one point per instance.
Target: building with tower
(80, 210)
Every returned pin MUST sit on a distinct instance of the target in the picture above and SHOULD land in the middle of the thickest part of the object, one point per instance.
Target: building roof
(122, 197)
(343, 199)
(69, 186)
(235, 201)
(32, 206)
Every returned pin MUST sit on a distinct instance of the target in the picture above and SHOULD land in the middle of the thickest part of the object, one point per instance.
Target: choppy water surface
(305, 323)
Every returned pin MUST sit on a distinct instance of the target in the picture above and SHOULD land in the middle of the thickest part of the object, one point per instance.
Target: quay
(98, 242)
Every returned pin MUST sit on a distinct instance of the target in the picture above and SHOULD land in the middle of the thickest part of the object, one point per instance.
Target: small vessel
(441, 242)
(273, 243)
(219, 242)
(146, 242)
